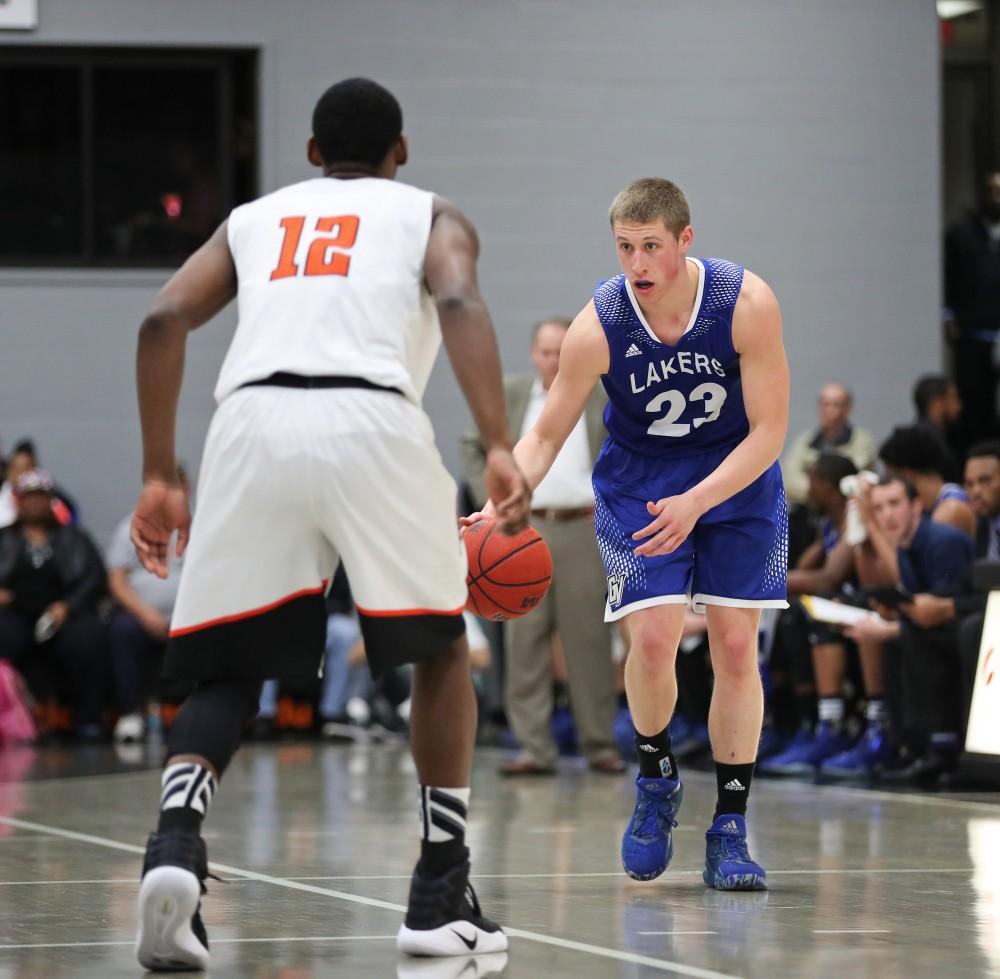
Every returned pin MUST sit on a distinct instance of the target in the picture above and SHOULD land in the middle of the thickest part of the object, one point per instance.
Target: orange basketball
(508, 576)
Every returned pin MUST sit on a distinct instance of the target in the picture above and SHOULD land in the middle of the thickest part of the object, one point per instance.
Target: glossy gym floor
(315, 845)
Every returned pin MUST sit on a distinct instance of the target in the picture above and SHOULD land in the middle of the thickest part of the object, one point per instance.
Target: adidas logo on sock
(633, 351)
(647, 747)
(735, 786)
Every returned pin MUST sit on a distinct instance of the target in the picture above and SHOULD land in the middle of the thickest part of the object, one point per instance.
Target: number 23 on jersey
(322, 258)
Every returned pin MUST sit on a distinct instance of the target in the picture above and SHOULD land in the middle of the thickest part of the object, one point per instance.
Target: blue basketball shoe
(728, 866)
(807, 752)
(871, 753)
(647, 845)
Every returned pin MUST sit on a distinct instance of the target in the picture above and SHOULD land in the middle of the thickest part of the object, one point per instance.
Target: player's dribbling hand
(508, 491)
(487, 513)
(674, 518)
(161, 509)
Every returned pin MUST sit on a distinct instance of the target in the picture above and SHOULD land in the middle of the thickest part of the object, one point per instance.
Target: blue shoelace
(651, 816)
(734, 848)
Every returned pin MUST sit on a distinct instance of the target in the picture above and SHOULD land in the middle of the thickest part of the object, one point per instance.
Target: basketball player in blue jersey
(690, 504)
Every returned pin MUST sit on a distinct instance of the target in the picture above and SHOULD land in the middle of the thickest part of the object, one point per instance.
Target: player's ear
(685, 238)
(402, 150)
(312, 152)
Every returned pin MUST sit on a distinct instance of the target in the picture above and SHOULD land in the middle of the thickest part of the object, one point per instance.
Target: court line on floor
(851, 931)
(215, 941)
(56, 779)
(848, 871)
(662, 965)
(914, 798)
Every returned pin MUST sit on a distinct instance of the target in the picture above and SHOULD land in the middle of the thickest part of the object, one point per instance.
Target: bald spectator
(836, 433)
(563, 512)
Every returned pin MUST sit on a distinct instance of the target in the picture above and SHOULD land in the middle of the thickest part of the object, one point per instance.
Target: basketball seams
(503, 608)
(485, 602)
(485, 572)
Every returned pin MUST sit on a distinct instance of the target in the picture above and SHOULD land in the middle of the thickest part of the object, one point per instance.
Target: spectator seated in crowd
(963, 606)
(140, 624)
(933, 561)
(836, 433)
(21, 460)
(939, 411)
(918, 455)
(51, 579)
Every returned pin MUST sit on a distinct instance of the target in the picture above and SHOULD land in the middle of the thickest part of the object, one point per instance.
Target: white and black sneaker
(444, 918)
(172, 936)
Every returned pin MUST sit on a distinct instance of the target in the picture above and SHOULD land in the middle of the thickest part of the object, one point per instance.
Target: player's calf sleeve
(210, 725)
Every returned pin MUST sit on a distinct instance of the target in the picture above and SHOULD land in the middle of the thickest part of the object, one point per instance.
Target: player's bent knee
(395, 640)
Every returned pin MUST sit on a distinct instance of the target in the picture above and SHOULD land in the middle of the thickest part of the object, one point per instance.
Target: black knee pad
(212, 721)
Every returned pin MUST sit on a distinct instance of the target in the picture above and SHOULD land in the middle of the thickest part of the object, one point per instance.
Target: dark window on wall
(125, 157)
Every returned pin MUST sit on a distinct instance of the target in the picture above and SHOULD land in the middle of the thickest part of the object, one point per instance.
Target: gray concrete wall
(804, 132)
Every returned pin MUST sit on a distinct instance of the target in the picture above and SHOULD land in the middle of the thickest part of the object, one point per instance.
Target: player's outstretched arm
(764, 371)
(203, 285)
(583, 358)
(467, 332)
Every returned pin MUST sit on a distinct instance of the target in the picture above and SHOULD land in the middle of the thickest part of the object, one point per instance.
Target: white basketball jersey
(331, 282)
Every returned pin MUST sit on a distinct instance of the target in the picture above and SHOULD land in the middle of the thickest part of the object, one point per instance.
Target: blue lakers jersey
(683, 399)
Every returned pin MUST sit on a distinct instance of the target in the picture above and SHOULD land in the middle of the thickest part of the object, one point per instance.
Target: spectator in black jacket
(51, 578)
(972, 292)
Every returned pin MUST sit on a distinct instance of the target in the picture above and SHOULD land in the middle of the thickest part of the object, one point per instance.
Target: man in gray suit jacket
(563, 513)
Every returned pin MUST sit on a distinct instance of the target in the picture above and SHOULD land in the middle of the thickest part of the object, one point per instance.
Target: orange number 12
(320, 259)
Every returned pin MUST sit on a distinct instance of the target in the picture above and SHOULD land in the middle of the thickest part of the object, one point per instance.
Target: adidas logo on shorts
(735, 786)
(633, 351)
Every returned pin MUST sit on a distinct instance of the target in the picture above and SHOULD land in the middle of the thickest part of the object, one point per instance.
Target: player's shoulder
(610, 304)
(608, 291)
(756, 297)
(586, 343)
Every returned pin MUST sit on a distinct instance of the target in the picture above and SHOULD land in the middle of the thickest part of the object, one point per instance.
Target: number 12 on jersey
(321, 259)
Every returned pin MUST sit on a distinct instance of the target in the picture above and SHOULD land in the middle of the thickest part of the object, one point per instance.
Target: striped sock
(442, 828)
(186, 794)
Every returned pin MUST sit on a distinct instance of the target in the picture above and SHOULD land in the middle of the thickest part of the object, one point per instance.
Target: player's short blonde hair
(649, 199)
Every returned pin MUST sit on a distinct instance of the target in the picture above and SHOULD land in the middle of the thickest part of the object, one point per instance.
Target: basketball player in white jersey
(319, 451)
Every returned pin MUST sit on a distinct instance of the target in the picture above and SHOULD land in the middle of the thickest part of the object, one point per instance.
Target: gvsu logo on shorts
(616, 586)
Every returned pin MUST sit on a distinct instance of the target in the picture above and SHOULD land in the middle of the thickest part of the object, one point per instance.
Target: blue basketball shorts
(736, 555)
